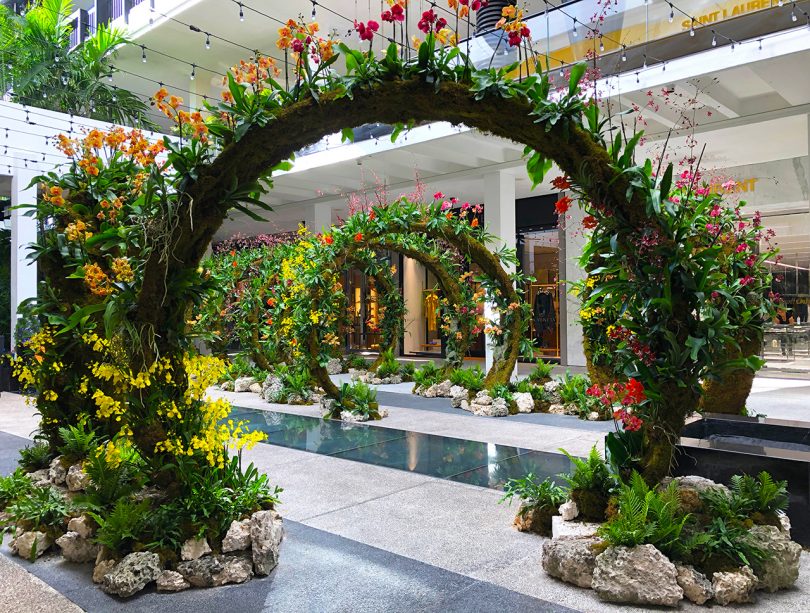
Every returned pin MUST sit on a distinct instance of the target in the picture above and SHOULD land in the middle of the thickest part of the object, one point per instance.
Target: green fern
(647, 516)
(388, 366)
(534, 494)
(427, 375)
(471, 379)
(541, 372)
(763, 493)
(78, 441)
(591, 473)
(118, 529)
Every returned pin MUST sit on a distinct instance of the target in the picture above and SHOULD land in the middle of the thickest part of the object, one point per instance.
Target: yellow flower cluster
(589, 313)
(77, 231)
(122, 270)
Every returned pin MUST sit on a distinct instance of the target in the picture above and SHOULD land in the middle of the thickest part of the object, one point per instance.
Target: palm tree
(40, 69)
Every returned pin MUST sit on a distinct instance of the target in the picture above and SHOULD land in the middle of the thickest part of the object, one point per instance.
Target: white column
(499, 215)
(318, 217)
(572, 240)
(23, 233)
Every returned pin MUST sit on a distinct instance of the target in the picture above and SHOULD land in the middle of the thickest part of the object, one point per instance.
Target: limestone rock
(353, 417)
(457, 394)
(76, 548)
(571, 560)
(784, 523)
(734, 587)
(238, 536)
(215, 570)
(227, 386)
(83, 526)
(561, 529)
(443, 389)
(334, 366)
(31, 545)
(482, 398)
(40, 477)
(76, 479)
(102, 568)
(594, 416)
(568, 510)
(552, 389)
(636, 575)
(132, 574)
(272, 388)
(194, 548)
(430, 392)
(242, 384)
(524, 402)
(780, 569)
(266, 534)
(327, 405)
(556, 409)
(255, 388)
(491, 407)
(465, 405)
(171, 581)
(696, 587)
(690, 489)
(57, 472)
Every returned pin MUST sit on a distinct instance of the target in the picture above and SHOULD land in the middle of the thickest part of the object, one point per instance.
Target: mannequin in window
(431, 306)
(543, 315)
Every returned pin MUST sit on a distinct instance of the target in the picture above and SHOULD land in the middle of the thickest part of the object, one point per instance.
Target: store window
(362, 330)
(786, 344)
(539, 253)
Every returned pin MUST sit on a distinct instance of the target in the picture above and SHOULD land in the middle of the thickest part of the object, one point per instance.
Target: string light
(624, 53)
(760, 44)
(714, 38)
(645, 61)
(207, 40)
(692, 28)
(637, 78)
(193, 71)
(562, 71)
(110, 76)
(793, 17)
(143, 53)
(671, 13)
(314, 4)
(574, 30)
(601, 44)
(241, 12)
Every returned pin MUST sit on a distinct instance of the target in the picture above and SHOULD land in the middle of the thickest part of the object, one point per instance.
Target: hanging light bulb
(624, 53)
(562, 71)
(637, 78)
(793, 17)
(732, 45)
(692, 28)
(645, 61)
(314, 4)
(110, 76)
(574, 30)
(64, 79)
(143, 53)
(671, 13)
(714, 38)
(780, 3)
(241, 12)
(207, 40)
(601, 44)
(193, 71)
(760, 44)
(664, 67)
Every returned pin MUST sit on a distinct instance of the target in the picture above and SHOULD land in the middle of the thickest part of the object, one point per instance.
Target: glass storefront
(786, 345)
(540, 258)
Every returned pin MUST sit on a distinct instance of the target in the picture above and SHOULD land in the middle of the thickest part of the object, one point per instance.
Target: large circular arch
(385, 238)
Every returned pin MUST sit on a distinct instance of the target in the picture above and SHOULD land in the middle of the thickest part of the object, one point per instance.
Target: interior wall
(413, 276)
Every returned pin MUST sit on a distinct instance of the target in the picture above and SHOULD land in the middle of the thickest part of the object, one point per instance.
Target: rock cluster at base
(524, 402)
(76, 548)
(132, 574)
(780, 569)
(266, 534)
(238, 537)
(696, 587)
(242, 384)
(572, 561)
(735, 587)
(31, 545)
(636, 575)
(171, 581)
(334, 366)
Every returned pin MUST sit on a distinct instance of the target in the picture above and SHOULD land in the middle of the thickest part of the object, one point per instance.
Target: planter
(719, 446)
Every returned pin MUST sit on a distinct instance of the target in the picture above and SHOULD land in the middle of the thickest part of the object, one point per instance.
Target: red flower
(234, 263)
(358, 237)
(371, 215)
(561, 183)
(271, 302)
(589, 222)
(474, 222)
(426, 23)
(635, 391)
(366, 30)
(328, 239)
(562, 205)
(394, 14)
(438, 196)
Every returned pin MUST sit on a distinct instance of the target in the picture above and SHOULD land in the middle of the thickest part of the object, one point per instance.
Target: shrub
(388, 366)
(242, 367)
(541, 372)
(15, 486)
(36, 456)
(501, 391)
(573, 389)
(295, 384)
(110, 480)
(591, 483)
(78, 441)
(357, 398)
(646, 516)
(356, 361)
(119, 529)
(765, 495)
(407, 370)
(41, 508)
(429, 374)
(471, 379)
(723, 546)
(534, 494)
